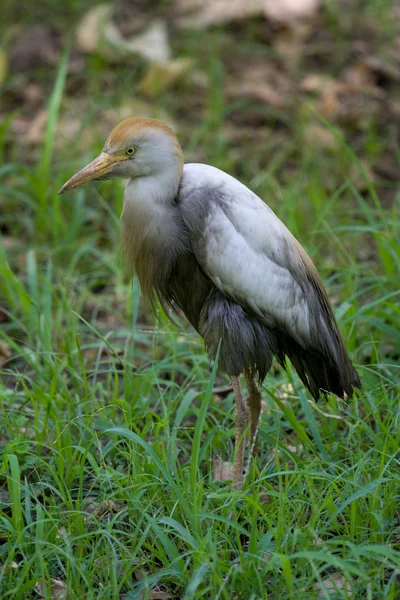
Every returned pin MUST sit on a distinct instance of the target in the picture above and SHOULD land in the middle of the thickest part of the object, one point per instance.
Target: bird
(203, 243)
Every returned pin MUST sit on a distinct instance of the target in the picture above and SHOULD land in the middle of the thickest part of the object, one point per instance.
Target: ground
(117, 433)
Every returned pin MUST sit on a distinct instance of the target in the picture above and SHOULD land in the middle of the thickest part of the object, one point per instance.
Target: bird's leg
(241, 421)
(254, 404)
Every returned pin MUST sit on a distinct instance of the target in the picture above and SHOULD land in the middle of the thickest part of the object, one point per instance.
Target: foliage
(112, 423)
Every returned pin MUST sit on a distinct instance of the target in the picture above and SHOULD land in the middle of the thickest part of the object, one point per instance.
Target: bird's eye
(130, 151)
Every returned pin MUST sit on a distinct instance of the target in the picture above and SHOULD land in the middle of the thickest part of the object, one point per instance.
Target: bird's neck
(155, 189)
(149, 202)
(153, 233)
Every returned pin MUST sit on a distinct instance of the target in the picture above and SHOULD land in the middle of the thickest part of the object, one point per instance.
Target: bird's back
(264, 296)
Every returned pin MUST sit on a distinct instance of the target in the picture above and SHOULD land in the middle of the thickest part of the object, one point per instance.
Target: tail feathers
(321, 374)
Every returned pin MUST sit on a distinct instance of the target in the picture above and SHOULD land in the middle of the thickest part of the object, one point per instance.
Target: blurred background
(300, 100)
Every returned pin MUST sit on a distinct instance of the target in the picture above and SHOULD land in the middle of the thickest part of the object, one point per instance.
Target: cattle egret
(200, 241)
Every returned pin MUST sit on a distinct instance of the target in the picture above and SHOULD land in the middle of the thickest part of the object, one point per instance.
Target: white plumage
(249, 253)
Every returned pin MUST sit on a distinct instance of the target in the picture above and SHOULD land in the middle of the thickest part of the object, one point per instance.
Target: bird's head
(137, 147)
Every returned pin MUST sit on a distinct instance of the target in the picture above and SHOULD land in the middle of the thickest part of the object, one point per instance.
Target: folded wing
(253, 259)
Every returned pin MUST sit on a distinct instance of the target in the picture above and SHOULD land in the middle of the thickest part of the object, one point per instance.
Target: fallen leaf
(334, 583)
(97, 33)
(216, 12)
(163, 75)
(90, 29)
(223, 470)
(153, 43)
(159, 595)
(290, 11)
(58, 589)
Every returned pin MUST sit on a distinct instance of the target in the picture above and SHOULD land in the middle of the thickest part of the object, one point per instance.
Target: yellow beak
(99, 167)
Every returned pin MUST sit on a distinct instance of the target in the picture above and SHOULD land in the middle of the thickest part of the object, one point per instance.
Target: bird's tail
(319, 371)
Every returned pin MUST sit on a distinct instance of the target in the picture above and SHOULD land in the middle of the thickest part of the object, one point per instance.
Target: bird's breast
(154, 236)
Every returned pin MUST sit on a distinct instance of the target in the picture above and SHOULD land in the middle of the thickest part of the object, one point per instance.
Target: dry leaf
(335, 582)
(158, 595)
(153, 43)
(98, 33)
(58, 589)
(163, 75)
(216, 12)
(290, 11)
(223, 470)
(90, 28)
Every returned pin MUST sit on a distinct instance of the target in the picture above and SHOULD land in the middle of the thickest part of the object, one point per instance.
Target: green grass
(111, 422)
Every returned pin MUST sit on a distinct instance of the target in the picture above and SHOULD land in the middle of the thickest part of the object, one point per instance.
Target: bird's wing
(251, 256)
